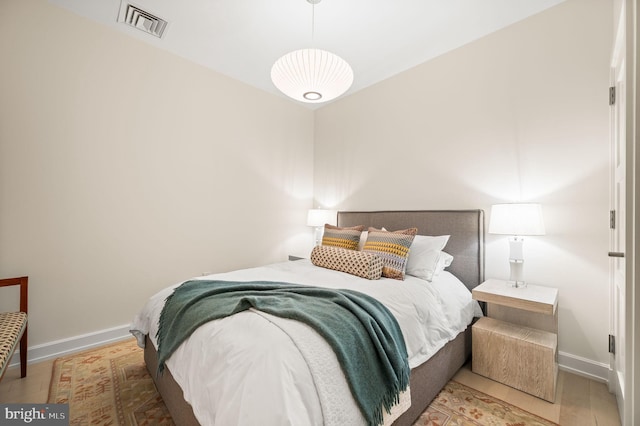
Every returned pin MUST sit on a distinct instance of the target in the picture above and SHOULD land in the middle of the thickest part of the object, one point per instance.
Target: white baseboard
(63, 347)
(572, 363)
(584, 367)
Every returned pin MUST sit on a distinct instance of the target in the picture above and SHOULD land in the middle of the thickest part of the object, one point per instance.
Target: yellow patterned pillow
(347, 238)
(358, 263)
(393, 248)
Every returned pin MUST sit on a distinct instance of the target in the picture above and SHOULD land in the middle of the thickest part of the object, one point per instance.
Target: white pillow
(444, 260)
(424, 255)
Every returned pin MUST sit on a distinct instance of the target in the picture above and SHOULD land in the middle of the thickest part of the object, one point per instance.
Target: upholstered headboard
(466, 228)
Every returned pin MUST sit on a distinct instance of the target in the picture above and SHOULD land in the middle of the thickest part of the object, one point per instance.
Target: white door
(617, 239)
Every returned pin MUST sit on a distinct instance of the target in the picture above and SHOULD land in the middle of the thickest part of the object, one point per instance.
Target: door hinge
(612, 219)
(612, 95)
(612, 344)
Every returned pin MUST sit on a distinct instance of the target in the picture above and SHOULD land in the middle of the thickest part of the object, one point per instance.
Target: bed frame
(466, 245)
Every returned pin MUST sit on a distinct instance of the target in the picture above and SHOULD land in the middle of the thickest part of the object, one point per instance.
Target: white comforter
(252, 368)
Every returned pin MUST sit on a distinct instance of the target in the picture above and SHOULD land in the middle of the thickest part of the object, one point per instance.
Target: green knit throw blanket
(363, 333)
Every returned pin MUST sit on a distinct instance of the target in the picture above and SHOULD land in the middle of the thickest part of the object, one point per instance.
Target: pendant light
(312, 75)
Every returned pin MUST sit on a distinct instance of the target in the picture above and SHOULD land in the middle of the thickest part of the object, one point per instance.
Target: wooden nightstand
(517, 343)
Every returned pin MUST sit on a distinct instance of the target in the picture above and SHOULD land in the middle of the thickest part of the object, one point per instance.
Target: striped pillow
(347, 238)
(393, 247)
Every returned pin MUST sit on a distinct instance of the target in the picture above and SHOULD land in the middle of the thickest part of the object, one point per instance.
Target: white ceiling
(379, 38)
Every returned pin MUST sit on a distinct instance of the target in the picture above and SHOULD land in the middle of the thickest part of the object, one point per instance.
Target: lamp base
(517, 284)
(319, 232)
(516, 262)
(516, 276)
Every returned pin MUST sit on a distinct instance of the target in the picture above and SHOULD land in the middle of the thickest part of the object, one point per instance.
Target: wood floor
(579, 401)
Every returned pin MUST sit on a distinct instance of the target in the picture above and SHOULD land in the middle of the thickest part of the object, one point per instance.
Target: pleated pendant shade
(312, 75)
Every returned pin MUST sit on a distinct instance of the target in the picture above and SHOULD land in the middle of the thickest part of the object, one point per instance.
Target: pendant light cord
(313, 17)
(313, 21)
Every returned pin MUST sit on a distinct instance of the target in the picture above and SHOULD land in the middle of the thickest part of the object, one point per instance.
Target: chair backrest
(23, 282)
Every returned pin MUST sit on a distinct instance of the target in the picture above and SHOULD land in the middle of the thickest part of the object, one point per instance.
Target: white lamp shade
(312, 75)
(318, 217)
(516, 219)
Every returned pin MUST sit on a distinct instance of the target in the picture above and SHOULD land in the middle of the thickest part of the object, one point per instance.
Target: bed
(179, 383)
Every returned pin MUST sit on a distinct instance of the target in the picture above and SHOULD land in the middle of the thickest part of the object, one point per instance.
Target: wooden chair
(13, 328)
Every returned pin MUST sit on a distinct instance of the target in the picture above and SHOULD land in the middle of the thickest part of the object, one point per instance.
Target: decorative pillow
(347, 238)
(358, 263)
(424, 255)
(392, 247)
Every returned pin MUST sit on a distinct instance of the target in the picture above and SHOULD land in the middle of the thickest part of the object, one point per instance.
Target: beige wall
(520, 115)
(124, 169)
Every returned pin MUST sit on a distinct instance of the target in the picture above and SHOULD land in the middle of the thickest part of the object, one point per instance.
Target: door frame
(631, 414)
(630, 411)
(619, 363)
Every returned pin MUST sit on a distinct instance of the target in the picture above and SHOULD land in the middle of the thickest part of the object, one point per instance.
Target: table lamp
(317, 218)
(517, 220)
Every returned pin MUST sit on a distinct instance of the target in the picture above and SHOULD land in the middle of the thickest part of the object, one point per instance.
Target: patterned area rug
(110, 385)
(459, 405)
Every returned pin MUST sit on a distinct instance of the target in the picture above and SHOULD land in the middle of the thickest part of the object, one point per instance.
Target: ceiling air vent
(142, 20)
